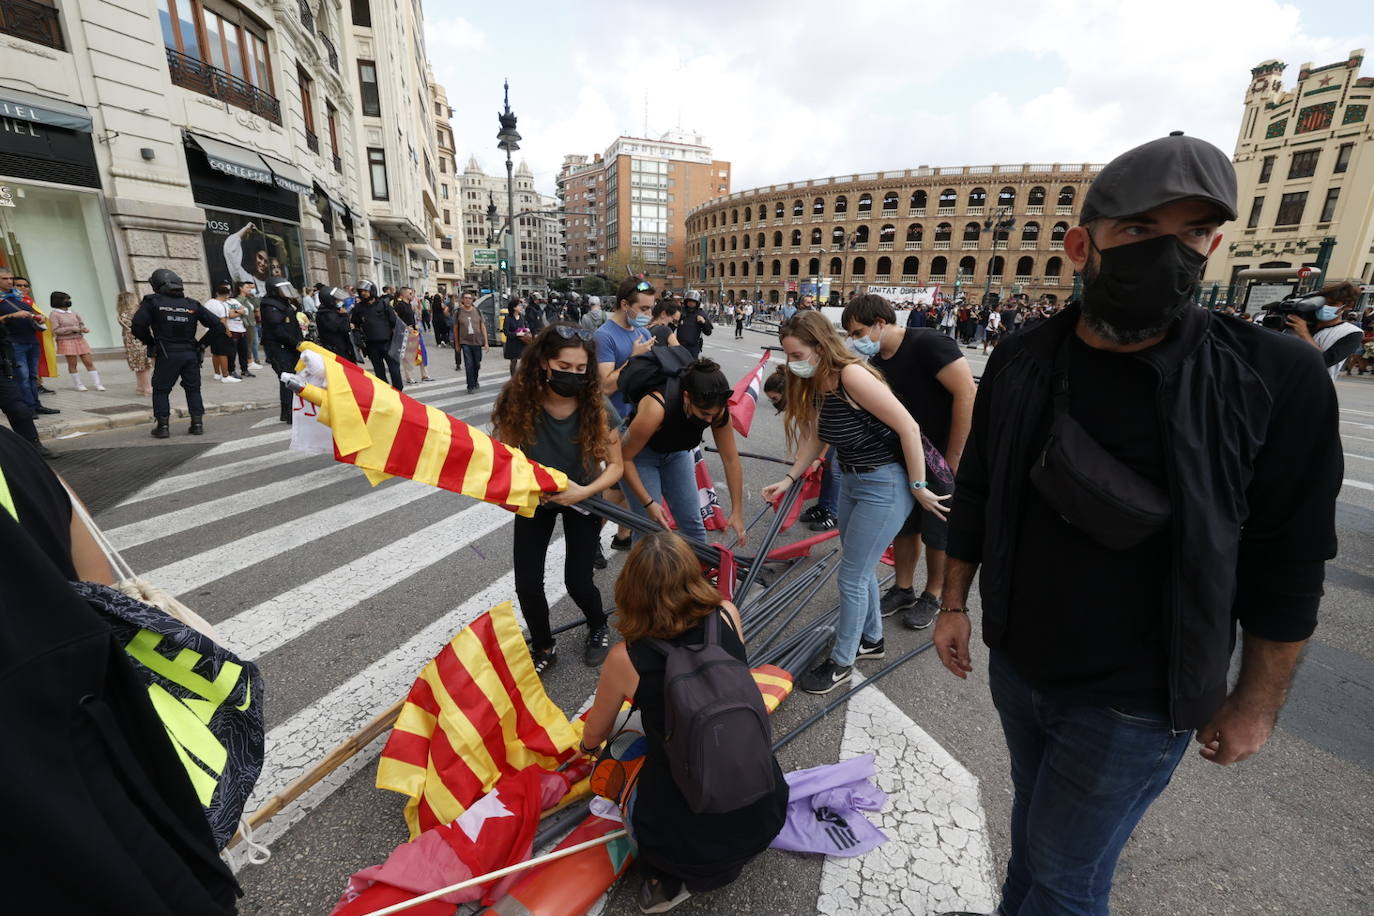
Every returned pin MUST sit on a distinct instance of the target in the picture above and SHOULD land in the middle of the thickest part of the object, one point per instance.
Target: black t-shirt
(40, 500)
(1088, 622)
(911, 372)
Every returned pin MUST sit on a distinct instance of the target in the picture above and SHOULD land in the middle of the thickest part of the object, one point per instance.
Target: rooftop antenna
(646, 114)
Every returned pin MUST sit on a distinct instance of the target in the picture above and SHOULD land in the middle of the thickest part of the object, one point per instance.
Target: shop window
(367, 87)
(376, 166)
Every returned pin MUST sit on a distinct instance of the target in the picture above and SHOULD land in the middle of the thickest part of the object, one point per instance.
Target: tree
(560, 285)
(623, 263)
(593, 285)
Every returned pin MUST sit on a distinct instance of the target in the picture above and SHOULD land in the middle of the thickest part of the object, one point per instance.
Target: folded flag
(388, 434)
(774, 683)
(745, 398)
(477, 712)
(825, 809)
(708, 503)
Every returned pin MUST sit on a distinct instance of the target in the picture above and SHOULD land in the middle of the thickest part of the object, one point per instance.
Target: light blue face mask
(865, 346)
(802, 368)
(1327, 312)
(642, 320)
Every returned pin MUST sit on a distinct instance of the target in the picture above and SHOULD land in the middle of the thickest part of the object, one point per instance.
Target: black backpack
(651, 372)
(716, 729)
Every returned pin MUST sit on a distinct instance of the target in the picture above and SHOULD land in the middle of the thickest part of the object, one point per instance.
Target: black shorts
(933, 530)
(222, 345)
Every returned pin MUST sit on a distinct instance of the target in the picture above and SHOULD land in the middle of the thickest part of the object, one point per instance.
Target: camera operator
(1327, 330)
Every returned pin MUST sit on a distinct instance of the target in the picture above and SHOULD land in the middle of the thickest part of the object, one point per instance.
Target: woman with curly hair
(553, 410)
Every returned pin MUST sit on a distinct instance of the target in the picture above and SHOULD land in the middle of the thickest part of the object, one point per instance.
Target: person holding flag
(26, 332)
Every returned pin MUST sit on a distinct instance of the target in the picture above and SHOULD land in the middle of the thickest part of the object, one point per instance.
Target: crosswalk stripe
(224, 560)
(216, 510)
(1359, 484)
(217, 473)
(274, 623)
(239, 445)
(300, 742)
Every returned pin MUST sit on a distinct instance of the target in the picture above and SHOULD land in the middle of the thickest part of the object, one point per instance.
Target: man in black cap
(1160, 509)
(166, 321)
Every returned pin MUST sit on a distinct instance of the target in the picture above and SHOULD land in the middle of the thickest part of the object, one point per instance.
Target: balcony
(1062, 210)
(944, 211)
(1029, 245)
(910, 278)
(1049, 281)
(913, 246)
(1035, 210)
(999, 245)
(916, 211)
(1023, 279)
(941, 246)
(796, 219)
(975, 211)
(885, 246)
(331, 51)
(307, 17)
(35, 22)
(198, 76)
(338, 164)
(312, 141)
(936, 278)
(776, 249)
(969, 244)
(794, 249)
(1057, 246)
(995, 278)
(883, 278)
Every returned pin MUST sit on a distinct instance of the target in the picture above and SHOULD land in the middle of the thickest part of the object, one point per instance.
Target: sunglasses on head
(643, 286)
(568, 332)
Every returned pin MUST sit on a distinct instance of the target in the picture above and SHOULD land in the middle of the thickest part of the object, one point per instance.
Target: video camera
(1305, 305)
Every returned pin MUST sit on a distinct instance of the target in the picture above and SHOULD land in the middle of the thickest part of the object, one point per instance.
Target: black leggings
(532, 536)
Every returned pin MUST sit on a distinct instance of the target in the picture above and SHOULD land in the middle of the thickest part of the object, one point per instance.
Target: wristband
(919, 484)
(789, 476)
(648, 504)
(954, 610)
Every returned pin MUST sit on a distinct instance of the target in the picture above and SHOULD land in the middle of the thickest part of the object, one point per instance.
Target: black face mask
(1136, 291)
(567, 384)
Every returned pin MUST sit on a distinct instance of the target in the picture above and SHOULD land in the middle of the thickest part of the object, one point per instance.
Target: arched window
(841, 205)
(734, 242)
(1054, 267)
(918, 200)
(732, 268)
(1058, 232)
(1025, 266)
(744, 268)
(773, 296)
(1006, 197)
(777, 239)
(865, 203)
(759, 243)
(797, 208)
(948, 197)
(816, 236)
(745, 241)
(818, 207)
(861, 235)
(971, 231)
(777, 210)
(1066, 196)
(711, 270)
(813, 267)
(734, 216)
(777, 268)
(939, 266)
(967, 265)
(1036, 198)
(890, 202)
(911, 266)
(793, 267)
(713, 246)
(884, 266)
(977, 197)
(997, 266)
(888, 233)
(748, 214)
(915, 232)
(1030, 232)
(796, 237)
(944, 232)
(836, 266)
(860, 266)
(837, 236)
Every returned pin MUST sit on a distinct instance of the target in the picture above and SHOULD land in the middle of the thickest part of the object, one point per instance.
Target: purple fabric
(824, 809)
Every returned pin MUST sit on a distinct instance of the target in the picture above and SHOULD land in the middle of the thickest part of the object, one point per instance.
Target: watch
(919, 484)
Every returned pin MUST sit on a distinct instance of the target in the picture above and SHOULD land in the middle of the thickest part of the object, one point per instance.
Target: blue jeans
(26, 356)
(1083, 777)
(670, 477)
(830, 484)
(873, 506)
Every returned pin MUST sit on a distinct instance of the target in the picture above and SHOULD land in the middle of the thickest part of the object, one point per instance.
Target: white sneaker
(99, 387)
(255, 365)
(218, 376)
(230, 378)
(82, 388)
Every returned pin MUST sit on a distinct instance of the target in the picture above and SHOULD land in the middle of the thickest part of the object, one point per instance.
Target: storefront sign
(6, 196)
(26, 106)
(252, 249)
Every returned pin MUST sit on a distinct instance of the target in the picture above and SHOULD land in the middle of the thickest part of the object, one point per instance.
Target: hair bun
(704, 364)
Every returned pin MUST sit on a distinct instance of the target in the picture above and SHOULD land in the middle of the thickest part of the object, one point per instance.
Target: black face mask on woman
(567, 384)
(1136, 291)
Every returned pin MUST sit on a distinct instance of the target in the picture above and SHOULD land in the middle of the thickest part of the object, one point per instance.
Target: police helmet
(166, 282)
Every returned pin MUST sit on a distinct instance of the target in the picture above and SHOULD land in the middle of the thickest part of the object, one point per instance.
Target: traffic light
(505, 264)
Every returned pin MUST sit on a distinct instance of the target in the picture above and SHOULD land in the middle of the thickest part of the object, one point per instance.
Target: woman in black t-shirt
(553, 409)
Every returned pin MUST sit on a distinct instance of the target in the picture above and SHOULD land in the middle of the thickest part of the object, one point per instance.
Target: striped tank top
(854, 433)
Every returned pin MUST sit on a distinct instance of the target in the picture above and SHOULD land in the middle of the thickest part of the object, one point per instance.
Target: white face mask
(802, 368)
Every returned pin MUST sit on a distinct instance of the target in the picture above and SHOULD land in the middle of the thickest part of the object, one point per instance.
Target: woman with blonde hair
(135, 352)
(661, 595)
(833, 396)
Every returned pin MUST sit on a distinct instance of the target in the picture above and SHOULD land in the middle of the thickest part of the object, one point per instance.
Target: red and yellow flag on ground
(774, 683)
(476, 713)
(388, 434)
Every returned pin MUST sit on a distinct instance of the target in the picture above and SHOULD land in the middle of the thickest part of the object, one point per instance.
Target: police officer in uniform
(281, 334)
(376, 321)
(166, 321)
(331, 321)
(694, 323)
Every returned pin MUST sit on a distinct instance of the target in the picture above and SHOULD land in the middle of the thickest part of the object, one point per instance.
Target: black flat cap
(1160, 172)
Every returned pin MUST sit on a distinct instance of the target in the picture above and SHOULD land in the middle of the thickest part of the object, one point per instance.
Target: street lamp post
(509, 140)
(999, 222)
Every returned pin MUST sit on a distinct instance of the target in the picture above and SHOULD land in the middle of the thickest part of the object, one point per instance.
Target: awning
(25, 106)
(287, 175)
(338, 208)
(233, 160)
(426, 252)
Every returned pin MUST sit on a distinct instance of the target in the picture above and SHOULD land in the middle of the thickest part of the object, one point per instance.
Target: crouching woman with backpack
(709, 795)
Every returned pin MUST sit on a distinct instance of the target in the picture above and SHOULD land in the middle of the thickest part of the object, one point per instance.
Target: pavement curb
(56, 429)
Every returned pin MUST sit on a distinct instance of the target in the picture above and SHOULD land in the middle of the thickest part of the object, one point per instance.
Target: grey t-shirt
(556, 443)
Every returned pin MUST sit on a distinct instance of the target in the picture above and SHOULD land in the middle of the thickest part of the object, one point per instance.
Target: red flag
(746, 396)
(708, 503)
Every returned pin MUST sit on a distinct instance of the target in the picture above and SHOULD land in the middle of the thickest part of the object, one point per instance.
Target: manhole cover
(117, 408)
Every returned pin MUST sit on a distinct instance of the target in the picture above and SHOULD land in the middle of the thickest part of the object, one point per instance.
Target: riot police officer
(376, 322)
(281, 334)
(693, 324)
(166, 321)
(331, 322)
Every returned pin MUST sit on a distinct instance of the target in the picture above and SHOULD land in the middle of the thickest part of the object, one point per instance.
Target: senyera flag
(745, 397)
(708, 503)
(388, 434)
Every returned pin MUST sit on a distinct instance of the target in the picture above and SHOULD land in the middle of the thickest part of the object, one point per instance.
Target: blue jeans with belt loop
(1083, 777)
(872, 507)
(670, 477)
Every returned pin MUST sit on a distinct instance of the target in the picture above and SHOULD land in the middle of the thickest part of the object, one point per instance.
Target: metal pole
(510, 219)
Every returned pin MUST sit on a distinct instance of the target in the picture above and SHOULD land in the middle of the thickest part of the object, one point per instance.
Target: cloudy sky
(796, 89)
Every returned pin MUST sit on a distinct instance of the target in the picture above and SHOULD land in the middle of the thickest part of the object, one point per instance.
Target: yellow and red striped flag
(774, 683)
(476, 713)
(389, 434)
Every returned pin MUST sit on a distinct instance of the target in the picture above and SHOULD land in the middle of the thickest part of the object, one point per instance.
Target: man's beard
(1126, 337)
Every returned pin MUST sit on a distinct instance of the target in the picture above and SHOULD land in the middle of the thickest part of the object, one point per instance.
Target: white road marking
(272, 624)
(263, 424)
(215, 473)
(303, 740)
(1363, 413)
(1359, 484)
(224, 560)
(937, 856)
(239, 445)
(1360, 425)
(1361, 457)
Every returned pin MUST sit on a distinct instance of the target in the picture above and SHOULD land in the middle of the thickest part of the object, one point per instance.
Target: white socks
(95, 379)
(76, 381)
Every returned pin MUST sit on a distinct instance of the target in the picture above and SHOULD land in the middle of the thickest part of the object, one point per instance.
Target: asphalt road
(342, 592)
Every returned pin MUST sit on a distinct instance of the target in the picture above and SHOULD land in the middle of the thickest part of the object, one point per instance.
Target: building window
(1343, 157)
(448, 219)
(362, 13)
(1329, 205)
(1290, 209)
(331, 116)
(367, 83)
(305, 84)
(448, 265)
(34, 20)
(1266, 169)
(376, 165)
(220, 52)
(1304, 164)
(1255, 209)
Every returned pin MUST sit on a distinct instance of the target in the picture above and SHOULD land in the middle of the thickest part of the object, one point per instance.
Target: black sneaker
(922, 613)
(811, 515)
(543, 658)
(598, 646)
(826, 522)
(896, 599)
(660, 896)
(825, 677)
(46, 411)
(599, 561)
(619, 543)
(870, 651)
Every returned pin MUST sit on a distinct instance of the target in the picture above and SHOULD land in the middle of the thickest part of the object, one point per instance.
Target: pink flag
(746, 397)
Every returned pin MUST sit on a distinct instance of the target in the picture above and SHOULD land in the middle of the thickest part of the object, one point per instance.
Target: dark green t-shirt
(556, 443)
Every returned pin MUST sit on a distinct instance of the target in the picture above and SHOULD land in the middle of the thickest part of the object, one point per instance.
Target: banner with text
(916, 295)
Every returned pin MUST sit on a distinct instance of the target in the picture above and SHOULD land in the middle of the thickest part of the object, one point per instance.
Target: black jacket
(167, 324)
(333, 327)
(279, 323)
(376, 319)
(689, 330)
(1250, 426)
